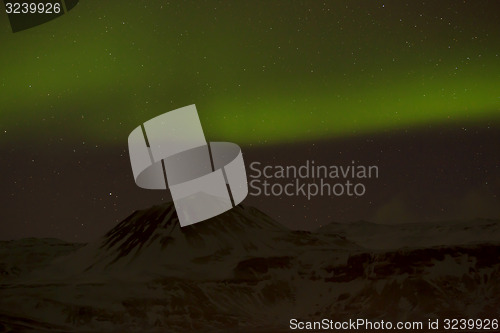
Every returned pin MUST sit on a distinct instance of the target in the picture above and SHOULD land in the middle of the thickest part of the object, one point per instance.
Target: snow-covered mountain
(151, 241)
(242, 271)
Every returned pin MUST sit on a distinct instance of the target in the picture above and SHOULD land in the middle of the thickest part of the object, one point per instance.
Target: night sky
(412, 87)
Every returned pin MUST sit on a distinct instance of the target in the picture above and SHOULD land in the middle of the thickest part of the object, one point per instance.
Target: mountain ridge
(426, 234)
(243, 271)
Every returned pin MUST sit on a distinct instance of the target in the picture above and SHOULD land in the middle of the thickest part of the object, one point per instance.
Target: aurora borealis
(410, 86)
(264, 72)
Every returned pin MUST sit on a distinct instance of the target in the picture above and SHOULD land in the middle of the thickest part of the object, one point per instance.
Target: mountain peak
(149, 234)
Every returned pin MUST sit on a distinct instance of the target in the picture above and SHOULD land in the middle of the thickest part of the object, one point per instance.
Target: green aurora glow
(258, 72)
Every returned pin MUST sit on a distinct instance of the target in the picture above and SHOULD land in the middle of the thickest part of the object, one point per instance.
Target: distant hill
(425, 234)
(19, 257)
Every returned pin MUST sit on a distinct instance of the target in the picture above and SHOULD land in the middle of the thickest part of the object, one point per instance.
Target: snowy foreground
(244, 272)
